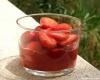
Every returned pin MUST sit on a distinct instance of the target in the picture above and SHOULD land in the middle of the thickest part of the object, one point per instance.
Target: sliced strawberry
(71, 38)
(27, 36)
(47, 41)
(34, 45)
(31, 45)
(47, 22)
(58, 36)
(38, 28)
(62, 26)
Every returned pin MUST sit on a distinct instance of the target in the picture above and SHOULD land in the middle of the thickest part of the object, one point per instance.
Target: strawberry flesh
(27, 37)
(62, 26)
(58, 36)
(71, 38)
(47, 22)
(47, 41)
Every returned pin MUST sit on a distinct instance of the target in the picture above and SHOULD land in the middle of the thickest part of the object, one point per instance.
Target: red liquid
(48, 59)
(48, 50)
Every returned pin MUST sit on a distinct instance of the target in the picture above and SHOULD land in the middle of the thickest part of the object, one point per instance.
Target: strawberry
(47, 22)
(47, 41)
(62, 26)
(34, 45)
(27, 36)
(38, 28)
(57, 35)
(71, 38)
(31, 45)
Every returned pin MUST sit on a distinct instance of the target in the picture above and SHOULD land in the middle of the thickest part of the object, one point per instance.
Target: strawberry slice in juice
(62, 26)
(71, 38)
(46, 40)
(27, 37)
(33, 45)
(30, 54)
(58, 35)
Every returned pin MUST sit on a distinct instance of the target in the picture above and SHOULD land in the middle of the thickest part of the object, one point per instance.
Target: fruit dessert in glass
(50, 49)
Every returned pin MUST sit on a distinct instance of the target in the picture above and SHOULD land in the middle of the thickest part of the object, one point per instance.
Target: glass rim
(53, 14)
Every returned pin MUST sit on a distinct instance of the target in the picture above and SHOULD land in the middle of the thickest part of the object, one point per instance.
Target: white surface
(9, 30)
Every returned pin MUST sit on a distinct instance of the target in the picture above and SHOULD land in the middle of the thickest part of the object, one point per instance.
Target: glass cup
(49, 51)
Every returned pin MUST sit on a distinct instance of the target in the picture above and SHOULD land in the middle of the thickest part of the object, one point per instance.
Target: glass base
(49, 73)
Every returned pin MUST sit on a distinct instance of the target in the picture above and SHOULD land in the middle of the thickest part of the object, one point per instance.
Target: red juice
(50, 47)
(44, 59)
(47, 63)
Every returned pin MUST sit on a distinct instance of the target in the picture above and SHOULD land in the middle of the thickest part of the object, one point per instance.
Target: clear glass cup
(52, 59)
